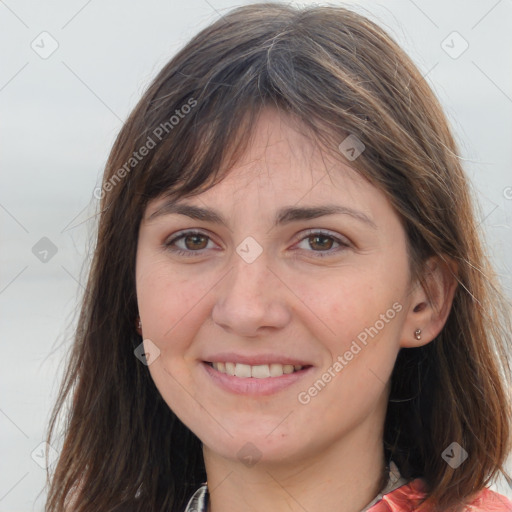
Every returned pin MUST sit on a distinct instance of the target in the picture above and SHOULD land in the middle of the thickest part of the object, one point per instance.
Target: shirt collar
(199, 501)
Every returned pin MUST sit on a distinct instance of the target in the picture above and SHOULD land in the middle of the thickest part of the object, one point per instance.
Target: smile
(260, 371)
(254, 380)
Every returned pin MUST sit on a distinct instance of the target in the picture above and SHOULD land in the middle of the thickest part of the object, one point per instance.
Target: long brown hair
(335, 73)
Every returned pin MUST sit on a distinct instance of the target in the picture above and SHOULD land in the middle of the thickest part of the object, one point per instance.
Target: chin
(250, 446)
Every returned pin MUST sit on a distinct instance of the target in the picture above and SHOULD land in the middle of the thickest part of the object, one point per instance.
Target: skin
(326, 454)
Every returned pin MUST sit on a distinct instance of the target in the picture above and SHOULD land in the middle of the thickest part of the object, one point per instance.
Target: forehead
(284, 163)
(281, 147)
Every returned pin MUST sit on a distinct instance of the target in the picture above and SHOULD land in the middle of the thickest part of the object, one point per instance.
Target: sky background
(71, 71)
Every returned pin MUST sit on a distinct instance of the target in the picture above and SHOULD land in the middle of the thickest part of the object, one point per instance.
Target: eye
(187, 243)
(322, 242)
(193, 243)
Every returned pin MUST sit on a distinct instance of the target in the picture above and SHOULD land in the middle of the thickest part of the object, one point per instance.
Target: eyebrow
(283, 216)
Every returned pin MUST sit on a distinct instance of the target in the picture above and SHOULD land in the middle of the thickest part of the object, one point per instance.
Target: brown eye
(321, 242)
(188, 243)
(195, 242)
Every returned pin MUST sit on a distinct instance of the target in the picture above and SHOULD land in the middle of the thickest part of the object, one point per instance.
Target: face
(305, 306)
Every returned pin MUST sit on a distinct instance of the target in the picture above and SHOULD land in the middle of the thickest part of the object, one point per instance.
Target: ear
(430, 302)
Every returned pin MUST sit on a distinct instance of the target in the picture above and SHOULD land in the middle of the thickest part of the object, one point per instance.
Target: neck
(345, 477)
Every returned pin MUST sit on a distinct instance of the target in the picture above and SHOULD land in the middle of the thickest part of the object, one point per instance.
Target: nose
(251, 299)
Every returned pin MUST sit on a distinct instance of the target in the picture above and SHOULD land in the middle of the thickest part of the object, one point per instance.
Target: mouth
(254, 380)
(260, 371)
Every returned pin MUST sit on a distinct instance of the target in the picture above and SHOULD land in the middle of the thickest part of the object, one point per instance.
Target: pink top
(398, 495)
(407, 497)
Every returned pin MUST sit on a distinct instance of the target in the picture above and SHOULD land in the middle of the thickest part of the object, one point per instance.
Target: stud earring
(417, 334)
(140, 324)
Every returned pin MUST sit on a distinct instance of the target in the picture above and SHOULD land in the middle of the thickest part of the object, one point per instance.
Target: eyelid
(341, 240)
(311, 231)
(187, 232)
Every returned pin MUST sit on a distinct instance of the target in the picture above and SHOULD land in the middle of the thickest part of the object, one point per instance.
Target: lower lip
(251, 385)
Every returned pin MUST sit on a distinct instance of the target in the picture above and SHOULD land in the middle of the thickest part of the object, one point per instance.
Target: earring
(417, 334)
(140, 324)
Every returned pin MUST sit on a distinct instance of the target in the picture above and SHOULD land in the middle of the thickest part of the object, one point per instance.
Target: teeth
(288, 368)
(229, 368)
(260, 371)
(242, 370)
(276, 370)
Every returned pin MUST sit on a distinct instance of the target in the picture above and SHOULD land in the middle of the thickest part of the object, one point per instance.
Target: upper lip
(255, 360)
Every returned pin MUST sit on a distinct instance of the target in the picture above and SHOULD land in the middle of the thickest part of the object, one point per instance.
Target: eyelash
(318, 254)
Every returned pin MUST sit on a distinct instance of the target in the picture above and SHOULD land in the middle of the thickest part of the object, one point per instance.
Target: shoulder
(489, 501)
(408, 497)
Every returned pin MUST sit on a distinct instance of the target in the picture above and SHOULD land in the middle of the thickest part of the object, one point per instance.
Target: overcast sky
(70, 73)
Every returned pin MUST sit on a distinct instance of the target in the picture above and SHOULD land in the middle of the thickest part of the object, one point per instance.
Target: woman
(289, 307)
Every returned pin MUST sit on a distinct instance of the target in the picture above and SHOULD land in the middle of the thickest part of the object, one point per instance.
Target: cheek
(168, 306)
(167, 302)
(358, 317)
(343, 305)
